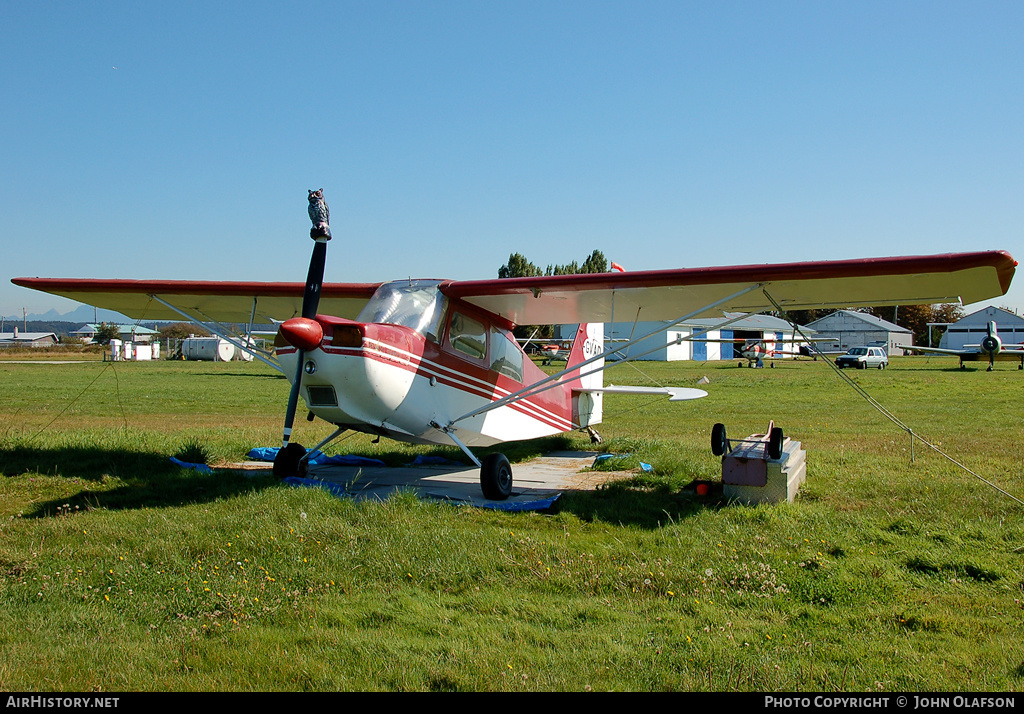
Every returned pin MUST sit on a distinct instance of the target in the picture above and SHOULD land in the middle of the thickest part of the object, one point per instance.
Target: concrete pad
(534, 482)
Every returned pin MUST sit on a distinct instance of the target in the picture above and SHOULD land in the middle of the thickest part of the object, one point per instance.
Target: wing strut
(216, 328)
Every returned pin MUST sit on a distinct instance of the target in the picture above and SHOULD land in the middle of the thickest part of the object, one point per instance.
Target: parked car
(863, 357)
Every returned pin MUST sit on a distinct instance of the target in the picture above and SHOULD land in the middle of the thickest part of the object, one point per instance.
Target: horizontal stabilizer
(675, 394)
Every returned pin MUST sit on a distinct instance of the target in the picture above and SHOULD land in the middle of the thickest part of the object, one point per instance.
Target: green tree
(105, 332)
(518, 267)
(916, 317)
(595, 263)
(181, 330)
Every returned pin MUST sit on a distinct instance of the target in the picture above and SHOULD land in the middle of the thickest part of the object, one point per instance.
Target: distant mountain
(82, 314)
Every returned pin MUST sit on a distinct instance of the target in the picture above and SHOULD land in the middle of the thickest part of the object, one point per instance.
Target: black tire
(286, 463)
(775, 443)
(496, 477)
(719, 442)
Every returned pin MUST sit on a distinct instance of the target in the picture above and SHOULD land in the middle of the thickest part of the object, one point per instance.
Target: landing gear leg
(495, 471)
(595, 438)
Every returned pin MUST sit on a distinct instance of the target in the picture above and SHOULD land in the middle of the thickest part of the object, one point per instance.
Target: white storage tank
(211, 349)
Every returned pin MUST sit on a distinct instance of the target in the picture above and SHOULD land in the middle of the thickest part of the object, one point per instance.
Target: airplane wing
(940, 350)
(672, 294)
(596, 297)
(204, 300)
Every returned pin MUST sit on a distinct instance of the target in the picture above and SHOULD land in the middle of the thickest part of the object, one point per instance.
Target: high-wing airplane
(755, 351)
(991, 348)
(433, 361)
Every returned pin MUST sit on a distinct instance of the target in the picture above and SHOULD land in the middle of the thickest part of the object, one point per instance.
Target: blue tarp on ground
(608, 457)
(267, 453)
(203, 468)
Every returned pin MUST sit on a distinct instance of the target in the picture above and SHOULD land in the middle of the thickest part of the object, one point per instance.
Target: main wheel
(287, 462)
(496, 477)
(775, 443)
(719, 442)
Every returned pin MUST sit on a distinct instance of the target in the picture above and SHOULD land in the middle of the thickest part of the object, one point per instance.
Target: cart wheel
(719, 442)
(775, 443)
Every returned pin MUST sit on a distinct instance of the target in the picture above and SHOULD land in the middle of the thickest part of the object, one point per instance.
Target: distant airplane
(755, 350)
(990, 348)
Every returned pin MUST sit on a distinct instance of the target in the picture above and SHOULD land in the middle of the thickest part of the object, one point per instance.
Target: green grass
(119, 571)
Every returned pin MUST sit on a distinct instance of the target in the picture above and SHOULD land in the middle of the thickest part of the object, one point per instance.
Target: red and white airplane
(756, 350)
(434, 361)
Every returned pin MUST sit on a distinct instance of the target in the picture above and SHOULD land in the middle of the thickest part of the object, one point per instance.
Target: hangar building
(859, 329)
(970, 329)
(662, 347)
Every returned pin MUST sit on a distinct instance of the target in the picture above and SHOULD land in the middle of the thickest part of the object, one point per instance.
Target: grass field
(119, 571)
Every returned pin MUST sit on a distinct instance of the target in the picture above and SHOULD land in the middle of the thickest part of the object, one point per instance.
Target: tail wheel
(719, 442)
(496, 477)
(775, 439)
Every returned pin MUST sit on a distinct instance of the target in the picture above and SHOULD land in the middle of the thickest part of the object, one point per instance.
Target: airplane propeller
(991, 344)
(304, 333)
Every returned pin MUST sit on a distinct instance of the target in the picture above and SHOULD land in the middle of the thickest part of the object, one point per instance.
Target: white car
(863, 357)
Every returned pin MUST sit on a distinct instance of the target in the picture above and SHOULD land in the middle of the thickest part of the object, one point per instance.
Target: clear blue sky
(178, 139)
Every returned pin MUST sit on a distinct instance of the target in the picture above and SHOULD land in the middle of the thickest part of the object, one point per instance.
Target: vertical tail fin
(589, 343)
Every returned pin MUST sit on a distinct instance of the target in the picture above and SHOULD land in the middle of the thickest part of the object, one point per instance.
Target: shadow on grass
(247, 375)
(149, 480)
(635, 503)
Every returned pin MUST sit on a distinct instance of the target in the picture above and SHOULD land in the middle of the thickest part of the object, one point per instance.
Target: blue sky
(177, 140)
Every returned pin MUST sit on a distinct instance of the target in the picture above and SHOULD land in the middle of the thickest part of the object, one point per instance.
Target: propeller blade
(314, 279)
(301, 331)
(310, 303)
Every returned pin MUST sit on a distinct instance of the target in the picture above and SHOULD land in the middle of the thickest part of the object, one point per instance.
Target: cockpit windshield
(412, 303)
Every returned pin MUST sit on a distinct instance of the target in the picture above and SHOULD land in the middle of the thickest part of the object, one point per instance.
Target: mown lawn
(119, 571)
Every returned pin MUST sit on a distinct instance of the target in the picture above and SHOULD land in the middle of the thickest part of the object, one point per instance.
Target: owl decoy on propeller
(320, 214)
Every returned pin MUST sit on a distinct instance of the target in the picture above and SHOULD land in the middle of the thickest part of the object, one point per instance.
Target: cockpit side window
(468, 336)
(506, 357)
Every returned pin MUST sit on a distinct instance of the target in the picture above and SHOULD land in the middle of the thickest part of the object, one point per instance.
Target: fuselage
(414, 362)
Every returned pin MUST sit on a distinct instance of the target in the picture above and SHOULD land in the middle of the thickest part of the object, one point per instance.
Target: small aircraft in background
(991, 348)
(555, 351)
(756, 350)
(547, 349)
(434, 361)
